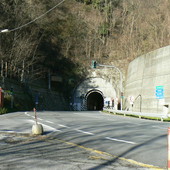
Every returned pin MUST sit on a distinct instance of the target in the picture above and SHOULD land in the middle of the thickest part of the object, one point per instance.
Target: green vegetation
(3, 111)
(65, 41)
(141, 117)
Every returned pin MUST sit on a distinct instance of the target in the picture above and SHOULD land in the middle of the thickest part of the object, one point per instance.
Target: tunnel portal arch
(92, 94)
(95, 100)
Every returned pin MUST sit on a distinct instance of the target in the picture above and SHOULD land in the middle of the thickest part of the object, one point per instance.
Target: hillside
(63, 41)
(78, 31)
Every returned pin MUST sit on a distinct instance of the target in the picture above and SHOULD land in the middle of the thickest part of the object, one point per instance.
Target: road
(82, 140)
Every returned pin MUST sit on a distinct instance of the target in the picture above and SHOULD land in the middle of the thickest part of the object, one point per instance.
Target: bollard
(35, 114)
(37, 129)
(168, 148)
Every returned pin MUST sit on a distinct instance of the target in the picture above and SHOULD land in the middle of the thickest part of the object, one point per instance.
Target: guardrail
(139, 114)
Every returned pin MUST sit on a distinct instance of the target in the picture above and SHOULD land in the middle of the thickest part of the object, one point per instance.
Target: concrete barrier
(37, 129)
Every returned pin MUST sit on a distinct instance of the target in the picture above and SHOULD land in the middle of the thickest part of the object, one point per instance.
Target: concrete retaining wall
(144, 74)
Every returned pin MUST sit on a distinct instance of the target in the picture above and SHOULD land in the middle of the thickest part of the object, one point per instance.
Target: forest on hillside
(65, 40)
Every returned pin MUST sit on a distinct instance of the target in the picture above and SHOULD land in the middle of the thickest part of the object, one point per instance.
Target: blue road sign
(159, 92)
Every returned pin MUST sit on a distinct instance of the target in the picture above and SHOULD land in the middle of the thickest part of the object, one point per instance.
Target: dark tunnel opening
(95, 101)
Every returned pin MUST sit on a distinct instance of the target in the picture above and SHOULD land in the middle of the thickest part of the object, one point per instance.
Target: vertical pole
(22, 72)
(2, 68)
(121, 89)
(157, 104)
(35, 113)
(6, 69)
(168, 148)
(1, 97)
(12, 97)
(12, 101)
(49, 80)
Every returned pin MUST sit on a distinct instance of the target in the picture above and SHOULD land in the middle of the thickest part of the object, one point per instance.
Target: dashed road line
(89, 133)
(160, 127)
(119, 140)
(63, 126)
(40, 119)
(49, 122)
(81, 131)
(27, 114)
(48, 127)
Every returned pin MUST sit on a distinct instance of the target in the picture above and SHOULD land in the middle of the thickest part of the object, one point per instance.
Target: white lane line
(160, 127)
(40, 119)
(92, 116)
(89, 133)
(118, 140)
(63, 126)
(27, 114)
(48, 127)
(49, 122)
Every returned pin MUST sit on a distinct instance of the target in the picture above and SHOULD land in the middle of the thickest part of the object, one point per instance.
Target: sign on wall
(159, 92)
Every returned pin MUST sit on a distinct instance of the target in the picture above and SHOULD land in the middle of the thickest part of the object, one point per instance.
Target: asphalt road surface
(82, 140)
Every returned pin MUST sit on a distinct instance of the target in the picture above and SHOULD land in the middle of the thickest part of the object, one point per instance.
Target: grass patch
(166, 120)
(3, 110)
(130, 115)
(142, 117)
(151, 118)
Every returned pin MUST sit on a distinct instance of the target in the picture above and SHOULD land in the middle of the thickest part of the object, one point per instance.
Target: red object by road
(1, 98)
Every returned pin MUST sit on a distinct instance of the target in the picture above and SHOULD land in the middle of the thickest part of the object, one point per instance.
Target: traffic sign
(159, 92)
(131, 99)
(159, 87)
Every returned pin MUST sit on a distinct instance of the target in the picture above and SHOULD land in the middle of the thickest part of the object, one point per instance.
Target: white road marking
(86, 115)
(118, 140)
(49, 122)
(89, 133)
(27, 114)
(160, 127)
(8, 131)
(40, 119)
(85, 132)
(63, 126)
(48, 127)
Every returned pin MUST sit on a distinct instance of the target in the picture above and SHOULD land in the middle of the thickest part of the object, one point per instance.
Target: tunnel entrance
(95, 101)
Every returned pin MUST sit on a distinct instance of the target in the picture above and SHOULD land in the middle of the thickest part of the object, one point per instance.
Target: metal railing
(139, 114)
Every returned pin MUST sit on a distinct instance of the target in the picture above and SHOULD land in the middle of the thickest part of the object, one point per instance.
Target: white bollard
(37, 129)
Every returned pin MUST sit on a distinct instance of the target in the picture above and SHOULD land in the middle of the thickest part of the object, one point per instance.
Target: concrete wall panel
(144, 74)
